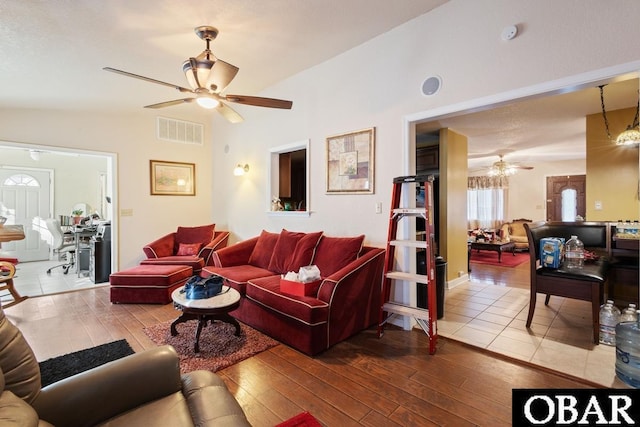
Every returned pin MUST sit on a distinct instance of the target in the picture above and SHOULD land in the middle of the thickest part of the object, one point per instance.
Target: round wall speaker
(431, 85)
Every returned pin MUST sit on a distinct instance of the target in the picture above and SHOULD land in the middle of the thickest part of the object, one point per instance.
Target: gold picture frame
(350, 162)
(172, 178)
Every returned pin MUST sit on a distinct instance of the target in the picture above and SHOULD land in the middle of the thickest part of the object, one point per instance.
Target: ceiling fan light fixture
(207, 102)
(502, 168)
(198, 71)
(501, 171)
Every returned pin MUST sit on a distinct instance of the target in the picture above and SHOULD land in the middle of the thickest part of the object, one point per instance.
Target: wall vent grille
(179, 131)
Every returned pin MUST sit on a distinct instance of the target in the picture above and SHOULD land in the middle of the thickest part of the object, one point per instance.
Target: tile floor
(560, 338)
(31, 279)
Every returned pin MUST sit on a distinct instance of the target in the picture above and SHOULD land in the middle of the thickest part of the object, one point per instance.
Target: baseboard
(458, 281)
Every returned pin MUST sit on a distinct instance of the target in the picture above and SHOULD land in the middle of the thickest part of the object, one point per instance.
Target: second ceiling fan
(208, 76)
(504, 168)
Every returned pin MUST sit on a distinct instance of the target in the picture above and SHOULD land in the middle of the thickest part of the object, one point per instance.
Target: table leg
(202, 320)
(184, 317)
(499, 255)
(230, 319)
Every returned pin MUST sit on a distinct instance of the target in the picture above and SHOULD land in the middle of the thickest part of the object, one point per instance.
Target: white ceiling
(541, 129)
(53, 51)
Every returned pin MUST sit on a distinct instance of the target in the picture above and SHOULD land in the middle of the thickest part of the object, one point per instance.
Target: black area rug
(61, 367)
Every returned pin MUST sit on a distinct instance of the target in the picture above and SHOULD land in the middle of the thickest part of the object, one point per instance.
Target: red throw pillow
(202, 234)
(304, 251)
(188, 249)
(263, 249)
(334, 253)
(283, 251)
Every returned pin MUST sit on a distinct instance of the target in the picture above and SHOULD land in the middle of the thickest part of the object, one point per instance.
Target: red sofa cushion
(304, 251)
(293, 250)
(306, 309)
(151, 275)
(188, 249)
(237, 276)
(283, 251)
(333, 253)
(193, 261)
(202, 234)
(263, 249)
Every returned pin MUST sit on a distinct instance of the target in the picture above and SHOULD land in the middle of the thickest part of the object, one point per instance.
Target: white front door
(25, 198)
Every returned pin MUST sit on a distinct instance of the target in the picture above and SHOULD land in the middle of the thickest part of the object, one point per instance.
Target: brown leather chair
(145, 388)
(586, 284)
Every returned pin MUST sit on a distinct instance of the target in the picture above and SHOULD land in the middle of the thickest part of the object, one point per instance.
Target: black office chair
(68, 249)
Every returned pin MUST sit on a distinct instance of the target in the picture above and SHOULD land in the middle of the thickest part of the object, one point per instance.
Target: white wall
(132, 138)
(527, 188)
(378, 84)
(76, 179)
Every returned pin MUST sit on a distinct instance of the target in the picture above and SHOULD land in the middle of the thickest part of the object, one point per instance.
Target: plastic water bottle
(629, 314)
(609, 318)
(574, 253)
(628, 352)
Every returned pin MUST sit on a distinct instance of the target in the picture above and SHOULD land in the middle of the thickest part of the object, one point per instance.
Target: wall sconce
(240, 169)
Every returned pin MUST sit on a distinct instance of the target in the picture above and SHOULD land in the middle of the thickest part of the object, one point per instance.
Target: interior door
(556, 185)
(25, 198)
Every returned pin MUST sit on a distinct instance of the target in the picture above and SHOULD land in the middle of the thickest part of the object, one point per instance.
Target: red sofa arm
(354, 295)
(162, 247)
(237, 254)
(220, 240)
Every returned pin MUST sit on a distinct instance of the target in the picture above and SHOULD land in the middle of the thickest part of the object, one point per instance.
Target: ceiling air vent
(173, 130)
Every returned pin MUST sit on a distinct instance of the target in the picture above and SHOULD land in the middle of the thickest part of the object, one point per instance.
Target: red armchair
(192, 246)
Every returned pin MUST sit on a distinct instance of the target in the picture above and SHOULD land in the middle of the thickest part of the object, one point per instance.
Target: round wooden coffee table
(205, 310)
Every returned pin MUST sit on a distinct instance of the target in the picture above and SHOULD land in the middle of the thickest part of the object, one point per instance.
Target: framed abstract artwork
(172, 178)
(350, 162)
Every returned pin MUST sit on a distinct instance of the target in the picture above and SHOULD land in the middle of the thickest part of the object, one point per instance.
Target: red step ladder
(425, 317)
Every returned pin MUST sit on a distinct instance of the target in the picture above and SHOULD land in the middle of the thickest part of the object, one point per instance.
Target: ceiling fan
(207, 77)
(504, 168)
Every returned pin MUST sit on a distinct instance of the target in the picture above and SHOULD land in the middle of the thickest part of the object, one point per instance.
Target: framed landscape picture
(350, 162)
(172, 178)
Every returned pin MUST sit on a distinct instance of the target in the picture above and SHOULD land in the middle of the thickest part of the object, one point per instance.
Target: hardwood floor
(362, 381)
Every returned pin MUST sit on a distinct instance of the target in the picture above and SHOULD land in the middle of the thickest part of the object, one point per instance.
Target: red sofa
(190, 246)
(347, 301)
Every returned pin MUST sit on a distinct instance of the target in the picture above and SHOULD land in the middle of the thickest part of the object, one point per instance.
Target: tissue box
(551, 249)
(298, 288)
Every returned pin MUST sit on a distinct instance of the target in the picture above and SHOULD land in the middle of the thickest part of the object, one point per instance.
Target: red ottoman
(148, 284)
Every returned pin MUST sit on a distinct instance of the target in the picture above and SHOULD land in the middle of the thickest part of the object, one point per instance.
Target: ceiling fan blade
(170, 103)
(229, 113)
(147, 79)
(260, 102)
(523, 167)
(221, 75)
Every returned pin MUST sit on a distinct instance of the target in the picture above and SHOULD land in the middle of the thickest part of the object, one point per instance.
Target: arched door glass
(569, 204)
